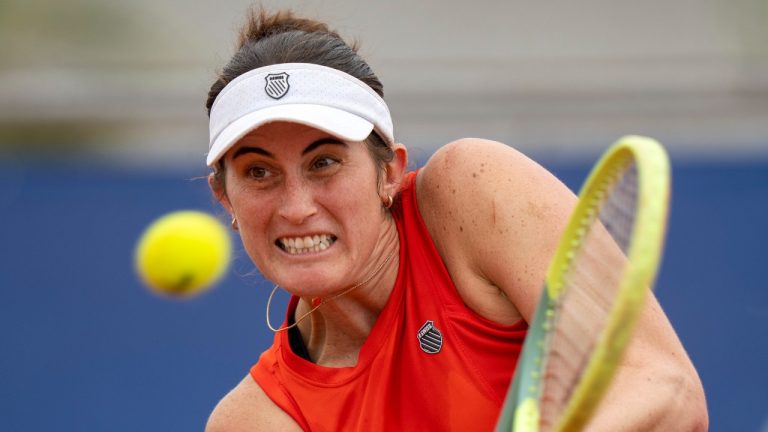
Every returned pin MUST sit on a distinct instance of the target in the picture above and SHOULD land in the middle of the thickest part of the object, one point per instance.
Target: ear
(394, 170)
(220, 194)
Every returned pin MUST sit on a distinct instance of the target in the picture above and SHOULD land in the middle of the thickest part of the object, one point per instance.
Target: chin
(311, 285)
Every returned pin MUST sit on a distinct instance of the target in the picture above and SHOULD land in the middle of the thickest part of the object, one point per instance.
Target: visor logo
(277, 85)
(430, 338)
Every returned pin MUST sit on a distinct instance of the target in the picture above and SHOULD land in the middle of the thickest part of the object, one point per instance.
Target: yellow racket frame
(521, 409)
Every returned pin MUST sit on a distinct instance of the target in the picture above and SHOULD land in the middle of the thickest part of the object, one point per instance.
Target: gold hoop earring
(234, 225)
(389, 201)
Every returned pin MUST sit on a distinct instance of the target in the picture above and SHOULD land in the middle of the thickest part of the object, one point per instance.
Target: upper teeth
(306, 244)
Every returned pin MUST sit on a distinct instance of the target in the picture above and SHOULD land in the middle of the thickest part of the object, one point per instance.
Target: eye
(324, 162)
(259, 173)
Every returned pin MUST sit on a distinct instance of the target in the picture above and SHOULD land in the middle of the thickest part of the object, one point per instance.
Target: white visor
(313, 95)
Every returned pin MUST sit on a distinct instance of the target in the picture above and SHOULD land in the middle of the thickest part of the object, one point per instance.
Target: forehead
(280, 135)
(286, 138)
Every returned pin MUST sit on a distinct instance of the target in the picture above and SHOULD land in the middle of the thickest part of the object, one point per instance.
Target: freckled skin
(499, 269)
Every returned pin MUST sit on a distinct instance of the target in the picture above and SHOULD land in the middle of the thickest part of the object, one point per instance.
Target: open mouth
(307, 244)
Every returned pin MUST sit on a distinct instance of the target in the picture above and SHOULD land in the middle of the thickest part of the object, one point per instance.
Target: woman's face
(308, 206)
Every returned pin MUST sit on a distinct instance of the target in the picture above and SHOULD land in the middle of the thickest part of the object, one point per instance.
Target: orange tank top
(429, 363)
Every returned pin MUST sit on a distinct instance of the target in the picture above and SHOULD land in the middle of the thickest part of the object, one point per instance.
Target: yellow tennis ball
(183, 253)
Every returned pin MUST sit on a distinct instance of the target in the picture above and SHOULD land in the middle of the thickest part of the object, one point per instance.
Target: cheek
(253, 219)
(356, 204)
(252, 236)
(357, 191)
(256, 245)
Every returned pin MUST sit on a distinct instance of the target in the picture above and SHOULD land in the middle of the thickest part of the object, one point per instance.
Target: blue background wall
(86, 348)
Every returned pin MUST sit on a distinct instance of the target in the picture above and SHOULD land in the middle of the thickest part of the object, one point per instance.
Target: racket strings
(590, 284)
(580, 316)
(618, 212)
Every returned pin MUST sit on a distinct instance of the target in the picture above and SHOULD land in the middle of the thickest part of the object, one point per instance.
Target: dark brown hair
(282, 37)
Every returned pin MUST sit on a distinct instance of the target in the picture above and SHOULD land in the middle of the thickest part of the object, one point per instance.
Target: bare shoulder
(247, 408)
(495, 216)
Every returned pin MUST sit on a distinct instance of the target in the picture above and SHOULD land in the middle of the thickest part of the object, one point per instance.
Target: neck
(335, 332)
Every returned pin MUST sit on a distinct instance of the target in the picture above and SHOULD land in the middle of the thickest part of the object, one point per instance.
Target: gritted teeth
(298, 245)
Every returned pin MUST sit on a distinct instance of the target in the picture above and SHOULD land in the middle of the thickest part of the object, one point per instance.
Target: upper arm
(496, 217)
(248, 408)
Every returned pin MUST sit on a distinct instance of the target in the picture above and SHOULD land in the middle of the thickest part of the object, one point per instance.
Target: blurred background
(103, 129)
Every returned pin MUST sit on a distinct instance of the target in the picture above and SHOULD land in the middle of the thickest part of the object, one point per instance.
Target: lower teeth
(318, 248)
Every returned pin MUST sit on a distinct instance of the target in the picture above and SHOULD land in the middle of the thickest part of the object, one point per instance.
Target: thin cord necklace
(323, 301)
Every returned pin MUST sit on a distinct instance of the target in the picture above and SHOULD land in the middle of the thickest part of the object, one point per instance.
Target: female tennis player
(411, 291)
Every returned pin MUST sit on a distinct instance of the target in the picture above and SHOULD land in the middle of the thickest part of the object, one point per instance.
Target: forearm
(664, 398)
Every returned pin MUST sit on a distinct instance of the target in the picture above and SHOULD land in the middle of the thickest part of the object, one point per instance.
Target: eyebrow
(311, 147)
(323, 141)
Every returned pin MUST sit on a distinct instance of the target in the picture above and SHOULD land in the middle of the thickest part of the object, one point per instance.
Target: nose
(298, 202)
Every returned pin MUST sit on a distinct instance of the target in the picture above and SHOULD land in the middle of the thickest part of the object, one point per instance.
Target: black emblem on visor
(430, 338)
(277, 85)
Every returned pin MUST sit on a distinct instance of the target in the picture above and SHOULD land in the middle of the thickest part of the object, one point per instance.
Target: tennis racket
(605, 263)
